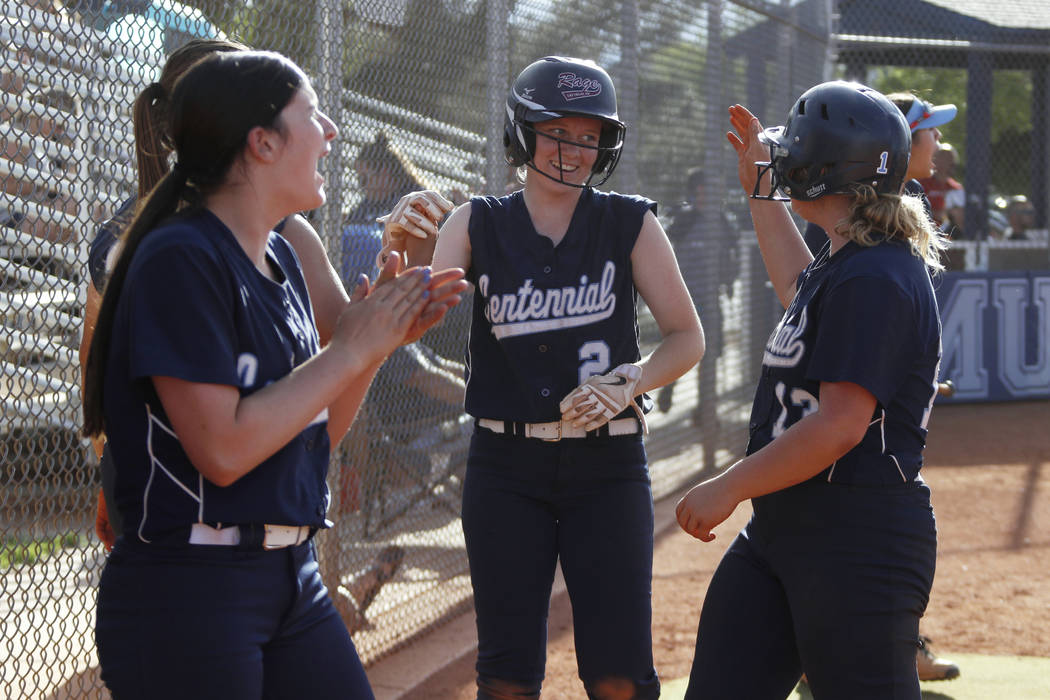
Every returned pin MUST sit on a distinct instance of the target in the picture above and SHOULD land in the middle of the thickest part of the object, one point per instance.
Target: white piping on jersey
(882, 435)
(881, 420)
(899, 470)
(155, 464)
(508, 330)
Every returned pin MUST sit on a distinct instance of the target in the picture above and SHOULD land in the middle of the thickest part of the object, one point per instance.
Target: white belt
(274, 537)
(557, 430)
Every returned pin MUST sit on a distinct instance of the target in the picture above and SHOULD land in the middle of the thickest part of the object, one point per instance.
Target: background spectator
(705, 242)
(946, 194)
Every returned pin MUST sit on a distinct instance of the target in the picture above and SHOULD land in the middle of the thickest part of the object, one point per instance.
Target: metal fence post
(627, 170)
(497, 47)
(329, 76)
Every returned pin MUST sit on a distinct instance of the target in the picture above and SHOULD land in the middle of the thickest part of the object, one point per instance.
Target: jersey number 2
(594, 359)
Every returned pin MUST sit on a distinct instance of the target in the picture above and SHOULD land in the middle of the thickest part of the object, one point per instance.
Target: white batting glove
(416, 214)
(602, 397)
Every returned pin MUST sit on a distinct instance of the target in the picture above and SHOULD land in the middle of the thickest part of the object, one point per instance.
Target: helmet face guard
(764, 166)
(556, 87)
(607, 156)
(838, 135)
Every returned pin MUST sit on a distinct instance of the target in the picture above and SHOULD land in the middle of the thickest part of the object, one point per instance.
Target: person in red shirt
(946, 194)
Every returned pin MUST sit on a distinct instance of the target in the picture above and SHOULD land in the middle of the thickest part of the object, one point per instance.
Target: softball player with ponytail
(834, 570)
(219, 406)
(557, 468)
(923, 122)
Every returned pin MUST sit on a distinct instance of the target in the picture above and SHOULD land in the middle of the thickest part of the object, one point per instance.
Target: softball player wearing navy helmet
(833, 571)
(557, 468)
(219, 407)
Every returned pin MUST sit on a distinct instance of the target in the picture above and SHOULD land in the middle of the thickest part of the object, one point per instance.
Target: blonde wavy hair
(876, 217)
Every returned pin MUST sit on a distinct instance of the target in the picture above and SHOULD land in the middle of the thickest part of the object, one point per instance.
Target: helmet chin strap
(531, 162)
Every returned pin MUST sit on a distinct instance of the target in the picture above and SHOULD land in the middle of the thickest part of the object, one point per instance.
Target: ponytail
(159, 204)
(875, 216)
(151, 110)
(152, 149)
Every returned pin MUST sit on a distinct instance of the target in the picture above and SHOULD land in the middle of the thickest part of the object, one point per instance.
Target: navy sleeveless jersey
(546, 317)
(865, 315)
(196, 308)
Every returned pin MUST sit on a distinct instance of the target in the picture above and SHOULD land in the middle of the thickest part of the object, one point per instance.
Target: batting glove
(602, 397)
(416, 214)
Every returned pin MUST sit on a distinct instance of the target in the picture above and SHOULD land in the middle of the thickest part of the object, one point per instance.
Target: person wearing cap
(1020, 214)
(923, 120)
(932, 161)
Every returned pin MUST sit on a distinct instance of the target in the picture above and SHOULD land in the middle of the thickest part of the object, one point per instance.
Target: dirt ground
(988, 466)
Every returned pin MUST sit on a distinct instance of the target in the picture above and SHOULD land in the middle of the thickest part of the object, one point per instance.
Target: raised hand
(749, 150)
(416, 214)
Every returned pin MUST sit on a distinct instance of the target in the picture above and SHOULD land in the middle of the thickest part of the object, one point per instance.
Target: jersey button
(545, 393)
(543, 348)
(547, 269)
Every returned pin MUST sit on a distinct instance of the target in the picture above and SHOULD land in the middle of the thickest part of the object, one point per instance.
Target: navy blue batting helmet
(838, 134)
(555, 87)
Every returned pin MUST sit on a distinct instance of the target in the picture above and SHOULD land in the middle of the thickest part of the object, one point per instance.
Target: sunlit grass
(26, 553)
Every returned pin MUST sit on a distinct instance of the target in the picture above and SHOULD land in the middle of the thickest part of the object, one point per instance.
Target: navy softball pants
(201, 621)
(826, 579)
(528, 503)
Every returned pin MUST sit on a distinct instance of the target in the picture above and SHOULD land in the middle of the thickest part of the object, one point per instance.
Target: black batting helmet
(555, 87)
(837, 134)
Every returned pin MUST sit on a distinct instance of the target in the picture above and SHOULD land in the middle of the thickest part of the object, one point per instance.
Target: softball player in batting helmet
(219, 406)
(834, 569)
(557, 468)
(923, 120)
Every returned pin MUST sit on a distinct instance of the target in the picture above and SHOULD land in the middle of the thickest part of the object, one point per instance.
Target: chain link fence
(992, 60)
(417, 88)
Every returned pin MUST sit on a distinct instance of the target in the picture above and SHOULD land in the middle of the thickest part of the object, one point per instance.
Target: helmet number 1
(883, 159)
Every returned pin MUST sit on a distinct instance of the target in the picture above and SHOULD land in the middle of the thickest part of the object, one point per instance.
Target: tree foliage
(1011, 128)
